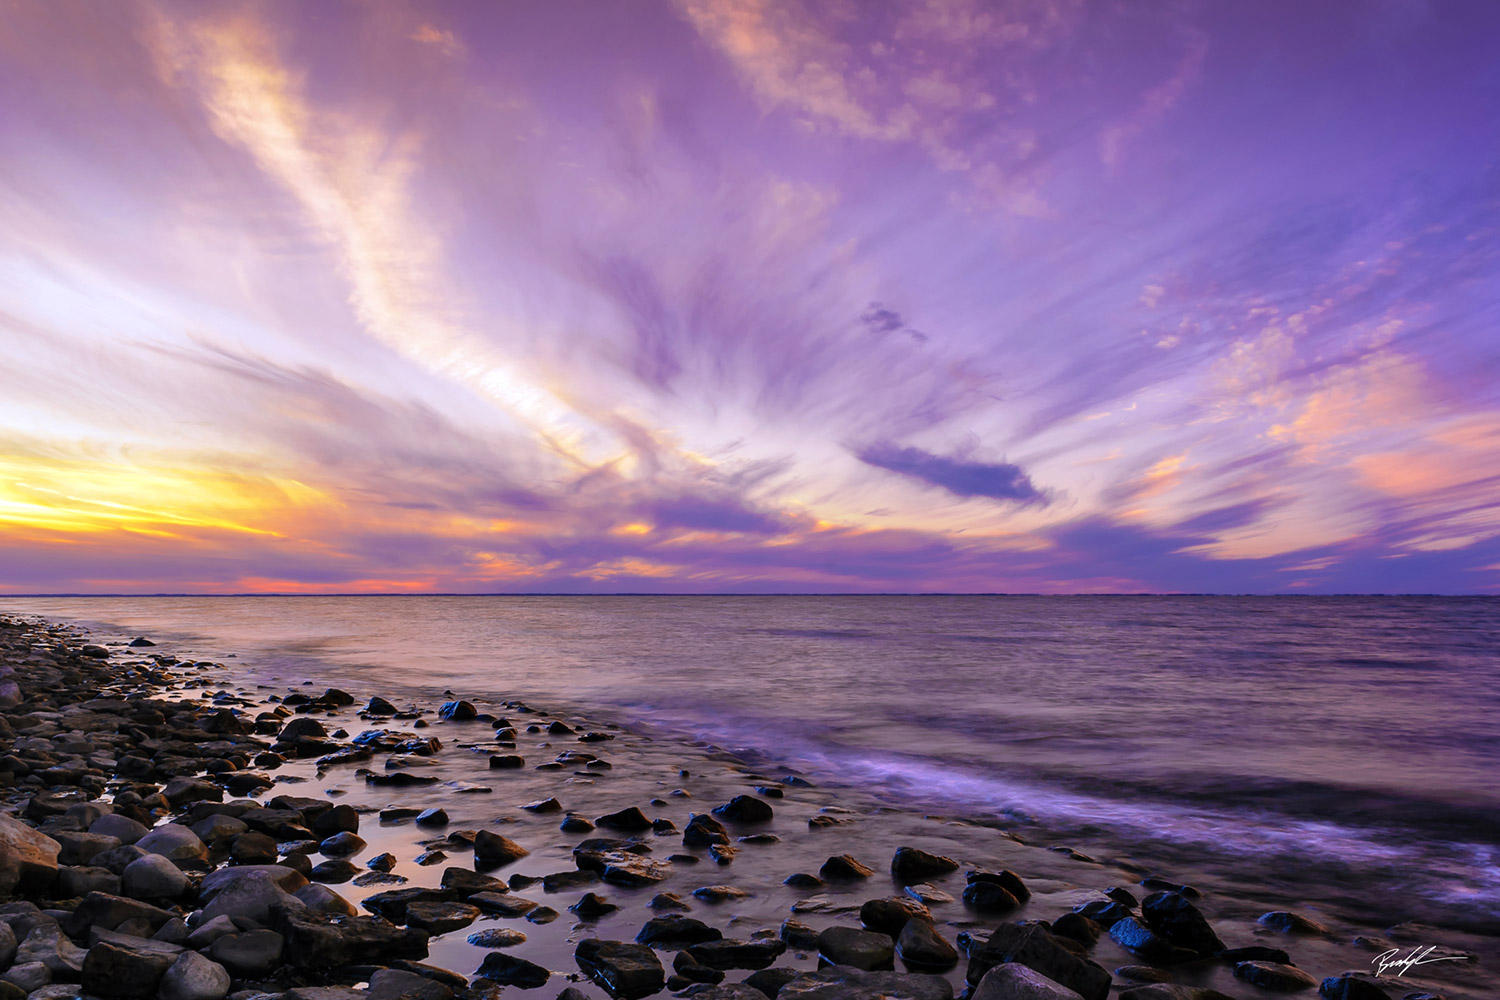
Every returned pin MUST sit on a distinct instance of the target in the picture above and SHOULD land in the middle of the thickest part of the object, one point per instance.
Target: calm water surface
(1354, 740)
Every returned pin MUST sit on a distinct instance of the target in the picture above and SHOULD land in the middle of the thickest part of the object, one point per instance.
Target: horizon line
(788, 593)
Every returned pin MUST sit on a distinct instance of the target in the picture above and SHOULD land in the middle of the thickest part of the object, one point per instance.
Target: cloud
(997, 481)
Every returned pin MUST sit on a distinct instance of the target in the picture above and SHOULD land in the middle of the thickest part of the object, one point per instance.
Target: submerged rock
(625, 971)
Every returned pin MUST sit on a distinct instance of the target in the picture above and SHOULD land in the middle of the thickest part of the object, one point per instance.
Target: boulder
(288, 879)
(922, 947)
(1035, 948)
(126, 967)
(1013, 981)
(174, 842)
(844, 868)
(81, 848)
(440, 917)
(250, 953)
(122, 828)
(398, 984)
(992, 898)
(1353, 986)
(729, 953)
(252, 897)
(626, 971)
(320, 940)
(703, 830)
(745, 809)
(100, 909)
(911, 864)
(193, 977)
(840, 982)
(1175, 918)
(492, 850)
(890, 915)
(28, 859)
(1291, 923)
(153, 877)
(675, 931)
(857, 948)
(508, 970)
(1144, 943)
(1274, 976)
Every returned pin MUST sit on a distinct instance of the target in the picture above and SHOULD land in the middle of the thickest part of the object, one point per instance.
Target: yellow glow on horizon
(633, 528)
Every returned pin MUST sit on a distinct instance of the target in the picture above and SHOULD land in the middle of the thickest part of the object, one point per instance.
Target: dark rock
(127, 968)
(1255, 953)
(625, 971)
(630, 820)
(860, 949)
(1077, 927)
(320, 940)
(379, 706)
(1174, 917)
(342, 845)
(1144, 943)
(591, 907)
(1035, 948)
(703, 830)
(393, 903)
(726, 954)
(440, 918)
(563, 881)
(340, 819)
(1013, 981)
(492, 850)
(497, 937)
(1104, 912)
(1291, 923)
(1352, 986)
(541, 915)
(100, 909)
(508, 970)
(846, 983)
(770, 981)
(334, 871)
(844, 868)
(802, 880)
(575, 824)
(459, 711)
(675, 931)
(990, 897)
(175, 842)
(506, 762)
(1274, 976)
(1006, 878)
(252, 953)
(466, 883)
(921, 947)
(503, 904)
(381, 862)
(745, 809)
(76, 848)
(193, 977)
(718, 893)
(890, 915)
(911, 864)
(153, 877)
(398, 984)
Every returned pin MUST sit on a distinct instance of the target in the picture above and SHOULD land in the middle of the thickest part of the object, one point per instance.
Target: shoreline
(643, 773)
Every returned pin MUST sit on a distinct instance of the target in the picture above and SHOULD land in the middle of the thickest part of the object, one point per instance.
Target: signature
(1419, 956)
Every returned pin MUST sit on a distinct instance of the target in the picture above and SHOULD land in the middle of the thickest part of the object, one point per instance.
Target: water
(1340, 748)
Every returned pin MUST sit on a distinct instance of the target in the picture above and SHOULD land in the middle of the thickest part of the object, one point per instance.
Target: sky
(1055, 296)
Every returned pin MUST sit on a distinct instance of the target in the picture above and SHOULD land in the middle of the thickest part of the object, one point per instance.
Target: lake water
(1348, 746)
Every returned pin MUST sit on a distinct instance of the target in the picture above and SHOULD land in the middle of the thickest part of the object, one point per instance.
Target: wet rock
(217, 828)
(1291, 923)
(1142, 974)
(494, 851)
(802, 880)
(543, 806)
(719, 893)
(1255, 953)
(1005, 878)
(126, 967)
(591, 907)
(319, 940)
(630, 820)
(625, 971)
(286, 879)
(508, 970)
(911, 864)
(1274, 976)
(729, 953)
(122, 828)
(458, 711)
(177, 843)
(27, 976)
(497, 937)
(860, 949)
(503, 904)
(1173, 916)
(324, 900)
(542, 915)
(745, 809)
(28, 859)
(1172, 991)
(799, 935)
(334, 871)
(193, 977)
(506, 762)
(1012, 981)
(922, 947)
(432, 817)
(991, 898)
(844, 868)
(624, 868)
(675, 931)
(1077, 927)
(82, 880)
(563, 881)
(1105, 912)
(381, 862)
(100, 909)
(153, 877)
(393, 903)
(398, 984)
(703, 830)
(8, 945)
(1144, 943)
(340, 819)
(770, 981)
(1035, 948)
(440, 918)
(184, 790)
(845, 983)
(251, 953)
(342, 845)
(1352, 986)
(890, 915)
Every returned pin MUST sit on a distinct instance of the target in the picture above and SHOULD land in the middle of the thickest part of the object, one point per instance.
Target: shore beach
(179, 828)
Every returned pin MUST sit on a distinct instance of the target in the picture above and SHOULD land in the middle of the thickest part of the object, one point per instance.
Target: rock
(1035, 948)
(1291, 923)
(494, 851)
(286, 879)
(921, 947)
(302, 727)
(393, 903)
(251, 953)
(506, 762)
(399, 984)
(844, 983)
(703, 830)
(209, 931)
(324, 900)
(890, 915)
(341, 845)
(174, 842)
(1103, 911)
(27, 976)
(465, 883)
(630, 820)
(184, 790)
(82, 880)
(319, 940)
(81, 848)
(1255, 953)
(1144, 943)
(94, 651)
(432, 817)
(844, 868)
(543, 806)
(341, 818)
(1175, 918)
(803, 880)
(508, 970)
(28, 859)
(1007, 879)
(251, 897)
(122, 828)
(459, 711)
(126, 967)
(860, 949)
(625, 971)
(440, 918)
(1077, 927)
(119, 859)
(1274, 976)
(1172, 991)
(770, 981)
(798, 935)
(497, 937)
(379, 706)
(503, 904)
(730, 953)
(99, 909)
(153, 877)
(991, 898)
(334, 871)
(140, 641)
(730, 991)
(591, 907)
(1013, 981)
(1352, 986)
(745, 809)
(911, 864)
(218, 828)
(675, 931)
(718, 893)
(193, 977)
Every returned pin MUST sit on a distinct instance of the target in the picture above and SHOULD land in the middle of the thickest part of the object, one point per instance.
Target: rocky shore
(168, 829)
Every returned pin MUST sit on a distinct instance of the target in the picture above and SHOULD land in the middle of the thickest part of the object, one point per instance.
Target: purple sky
(733, 295)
